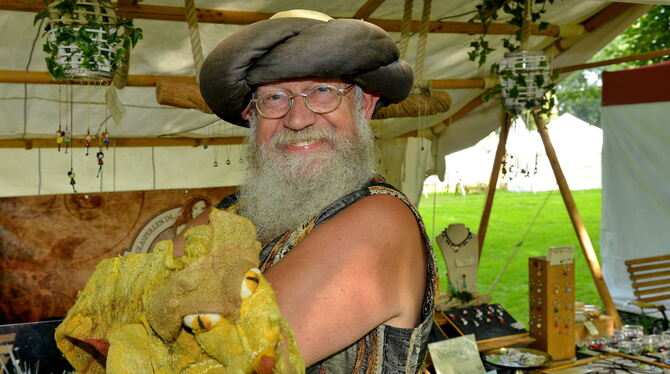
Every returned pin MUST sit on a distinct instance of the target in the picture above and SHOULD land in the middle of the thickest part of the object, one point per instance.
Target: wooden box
(604, 324)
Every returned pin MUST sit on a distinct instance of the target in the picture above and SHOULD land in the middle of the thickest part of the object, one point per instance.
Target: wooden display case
(552, 307)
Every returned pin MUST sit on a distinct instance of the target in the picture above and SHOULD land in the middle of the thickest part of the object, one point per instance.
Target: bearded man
(346, 254)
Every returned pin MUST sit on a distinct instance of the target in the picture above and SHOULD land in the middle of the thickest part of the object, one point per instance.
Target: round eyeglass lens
(323, 99)
(274, 104)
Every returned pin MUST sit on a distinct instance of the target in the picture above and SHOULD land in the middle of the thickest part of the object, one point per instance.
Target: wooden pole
(577, 222)
(43, 77)
(236, 17)
(367, 9)
(493, 182)
(30, 143)
(637, 57)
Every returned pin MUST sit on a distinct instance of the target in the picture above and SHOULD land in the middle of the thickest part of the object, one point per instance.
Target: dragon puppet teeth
(250, 282)
(201, 322)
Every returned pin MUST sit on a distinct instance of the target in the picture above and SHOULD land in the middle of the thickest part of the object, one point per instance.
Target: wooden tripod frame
(573, 212)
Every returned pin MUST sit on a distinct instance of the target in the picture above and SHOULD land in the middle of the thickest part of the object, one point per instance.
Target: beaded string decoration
(456, 246)
(67, 140)
(100, 155)
(216, 146)
(59, 133)
(104, 139)
(87, 140)
(88, 136)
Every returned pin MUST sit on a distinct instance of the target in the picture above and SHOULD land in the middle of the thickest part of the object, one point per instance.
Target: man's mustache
(309, 134)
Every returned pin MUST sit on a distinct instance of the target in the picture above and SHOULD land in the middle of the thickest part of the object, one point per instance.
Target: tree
(580, 93)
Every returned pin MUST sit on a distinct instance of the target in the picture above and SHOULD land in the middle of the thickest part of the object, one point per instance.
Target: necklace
(456, 246)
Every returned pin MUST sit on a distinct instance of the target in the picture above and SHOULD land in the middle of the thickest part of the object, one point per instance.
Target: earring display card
(551, 307)
(484, 321)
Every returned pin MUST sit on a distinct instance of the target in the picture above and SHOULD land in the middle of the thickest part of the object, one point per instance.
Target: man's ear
(246, 113)
(369, 104)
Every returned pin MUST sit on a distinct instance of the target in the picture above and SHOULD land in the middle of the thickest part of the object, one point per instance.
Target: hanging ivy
(93, 44)
(488, 12)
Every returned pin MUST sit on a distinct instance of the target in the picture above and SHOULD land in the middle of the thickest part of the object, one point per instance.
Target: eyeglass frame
(341, 92)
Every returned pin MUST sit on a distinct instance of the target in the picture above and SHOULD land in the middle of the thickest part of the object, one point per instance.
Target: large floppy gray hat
(301, 44)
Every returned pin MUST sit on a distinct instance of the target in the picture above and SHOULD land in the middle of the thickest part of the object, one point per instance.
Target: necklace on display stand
(457, 246)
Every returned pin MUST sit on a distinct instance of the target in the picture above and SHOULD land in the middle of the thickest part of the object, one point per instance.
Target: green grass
(511, 216)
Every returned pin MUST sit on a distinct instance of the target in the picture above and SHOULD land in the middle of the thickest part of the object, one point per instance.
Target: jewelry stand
(460, 249)
(552, 298)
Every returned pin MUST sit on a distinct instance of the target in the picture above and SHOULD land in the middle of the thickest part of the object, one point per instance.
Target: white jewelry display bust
(460, 250)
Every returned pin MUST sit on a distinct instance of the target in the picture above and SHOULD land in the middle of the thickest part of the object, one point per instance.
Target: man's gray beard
(283, 191)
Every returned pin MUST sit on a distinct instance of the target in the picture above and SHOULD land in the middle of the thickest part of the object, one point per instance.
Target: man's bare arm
(362, 268)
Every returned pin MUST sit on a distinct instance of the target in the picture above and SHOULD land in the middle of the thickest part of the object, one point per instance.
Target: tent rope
(518, 245)
(423, 38)
(194, 35)
(405, 27)
(525, 25)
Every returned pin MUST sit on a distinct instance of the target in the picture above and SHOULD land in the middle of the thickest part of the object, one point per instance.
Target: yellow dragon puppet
(209, 311)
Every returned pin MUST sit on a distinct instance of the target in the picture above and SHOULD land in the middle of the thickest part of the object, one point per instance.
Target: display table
(613, 363)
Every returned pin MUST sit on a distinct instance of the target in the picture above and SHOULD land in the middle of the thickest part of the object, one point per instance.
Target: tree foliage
(579, 94)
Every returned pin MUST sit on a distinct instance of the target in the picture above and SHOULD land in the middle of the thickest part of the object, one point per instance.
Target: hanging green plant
(85, 40)
(525, 78)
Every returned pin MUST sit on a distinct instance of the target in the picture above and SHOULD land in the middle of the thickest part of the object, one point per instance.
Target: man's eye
(323, 89)
(275, 97)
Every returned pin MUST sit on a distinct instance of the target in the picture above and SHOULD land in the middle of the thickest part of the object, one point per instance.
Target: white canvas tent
(636, 173)
(30, 112)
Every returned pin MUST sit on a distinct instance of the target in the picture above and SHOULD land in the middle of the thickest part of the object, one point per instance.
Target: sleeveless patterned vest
(386, 349)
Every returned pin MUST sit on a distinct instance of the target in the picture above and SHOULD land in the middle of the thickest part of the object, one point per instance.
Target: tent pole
(493, 182)
(577, 222)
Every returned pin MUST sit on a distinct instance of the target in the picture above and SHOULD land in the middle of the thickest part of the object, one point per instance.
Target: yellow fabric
(120, 305)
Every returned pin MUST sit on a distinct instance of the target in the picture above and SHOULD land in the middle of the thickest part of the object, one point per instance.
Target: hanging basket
(525, 79)
(85, 40)
(78, 63)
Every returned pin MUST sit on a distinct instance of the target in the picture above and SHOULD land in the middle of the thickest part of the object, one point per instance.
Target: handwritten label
(463, 262)
(114, 105)
(456, 356)
(560, 255)
(593, 330)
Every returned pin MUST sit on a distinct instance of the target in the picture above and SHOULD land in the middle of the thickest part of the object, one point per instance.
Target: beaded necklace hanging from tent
(60, 133)
(217, 147)
(88, 137)
(67, 140)
(103, 139)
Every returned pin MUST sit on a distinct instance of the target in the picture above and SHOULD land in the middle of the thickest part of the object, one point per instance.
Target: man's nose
(299, 116)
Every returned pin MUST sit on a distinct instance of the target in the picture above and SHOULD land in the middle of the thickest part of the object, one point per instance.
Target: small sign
(466, 261)
(456, 356)
(561, 255)
(114, 105)
(593, 330)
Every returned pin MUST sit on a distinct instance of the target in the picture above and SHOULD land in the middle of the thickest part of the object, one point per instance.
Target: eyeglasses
(320, 99)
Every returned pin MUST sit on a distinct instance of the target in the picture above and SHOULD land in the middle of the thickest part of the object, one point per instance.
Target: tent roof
(32, 111)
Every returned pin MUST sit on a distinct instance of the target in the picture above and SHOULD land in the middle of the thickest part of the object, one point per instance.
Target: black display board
(485, 321)
(34, 347)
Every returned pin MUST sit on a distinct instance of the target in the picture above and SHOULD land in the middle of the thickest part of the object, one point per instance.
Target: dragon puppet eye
(250, 282)
(201, 322)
